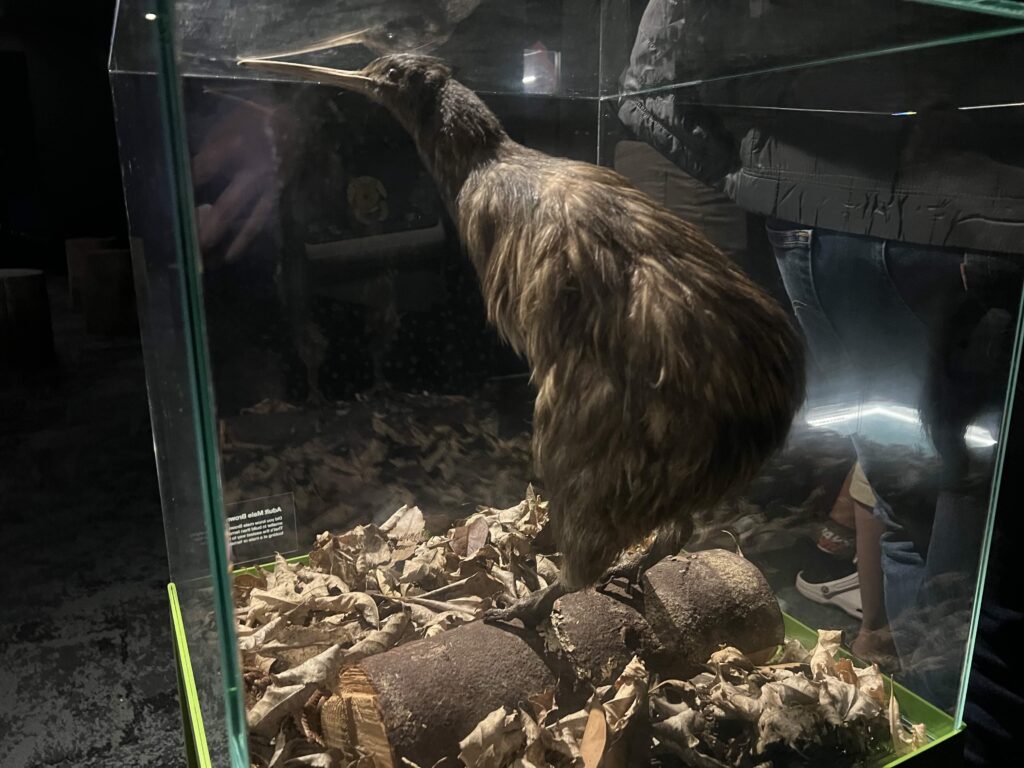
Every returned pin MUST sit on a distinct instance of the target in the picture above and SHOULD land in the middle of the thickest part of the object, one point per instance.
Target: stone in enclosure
(599, 635)
(696, 602)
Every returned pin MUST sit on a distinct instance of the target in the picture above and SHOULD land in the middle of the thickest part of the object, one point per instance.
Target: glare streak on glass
(857, 56)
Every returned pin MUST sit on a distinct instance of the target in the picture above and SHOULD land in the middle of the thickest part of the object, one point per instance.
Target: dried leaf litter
(374, 587)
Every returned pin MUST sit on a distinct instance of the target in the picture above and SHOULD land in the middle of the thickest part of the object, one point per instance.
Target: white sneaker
(843, 593)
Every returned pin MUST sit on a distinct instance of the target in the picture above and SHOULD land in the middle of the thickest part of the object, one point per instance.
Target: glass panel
(132, 47)
(1009, 8)
(863, 171)
(487, 41)
(331, 273)
(856, 160)
(156, 221)
(723, 40)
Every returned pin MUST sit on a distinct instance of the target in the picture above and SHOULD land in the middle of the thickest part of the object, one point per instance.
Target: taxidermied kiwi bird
(664, 376)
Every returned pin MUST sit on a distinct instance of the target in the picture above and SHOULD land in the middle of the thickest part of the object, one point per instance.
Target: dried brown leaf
(904, 739)
(837, 697)
(538, 742)
(298, 643)
(407, 524)
(595, 737)
(793, 651)
(481, 585)
(386, 580)
(630, 691)
(495, 740)
(472, 607)
(257, 664)
(277, 703)
(730, 656)
(329, 759)
(243, 583)
(682, 728)
(796, 690)
(443, 622)
(253, 640)
(379, 640)
(871, 684)
(375, 548)
(547, 569)
(318, 670)
(403, 551)
(793, 726)
(350, 602)
(823, 656)
(845, 671)
(427, 566)
(466, 540)
(737, 701)
(280, 743)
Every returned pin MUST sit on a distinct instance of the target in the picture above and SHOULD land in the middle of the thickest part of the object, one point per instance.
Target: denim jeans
(873, 313)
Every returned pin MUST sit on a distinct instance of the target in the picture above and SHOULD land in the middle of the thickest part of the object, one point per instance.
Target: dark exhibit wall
(59, 154)
(21, 194)
(86, 648)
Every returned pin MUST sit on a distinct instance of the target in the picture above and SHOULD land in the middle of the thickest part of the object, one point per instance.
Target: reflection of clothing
(925, 178)
(726, 225)
(860, 488)
(872, 332)
(870, 308)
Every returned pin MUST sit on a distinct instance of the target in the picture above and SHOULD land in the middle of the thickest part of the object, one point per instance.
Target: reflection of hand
(237, 150)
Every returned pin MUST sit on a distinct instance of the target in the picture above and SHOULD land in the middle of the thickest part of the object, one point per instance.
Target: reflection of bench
(107, 293)
(351, 270)
(26, 335)
(77, 250)
(100, 284)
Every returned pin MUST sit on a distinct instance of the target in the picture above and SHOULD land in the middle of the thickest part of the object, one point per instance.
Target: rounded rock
(697, 602)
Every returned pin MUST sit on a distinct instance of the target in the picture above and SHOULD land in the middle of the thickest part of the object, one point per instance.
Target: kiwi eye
(393, 74)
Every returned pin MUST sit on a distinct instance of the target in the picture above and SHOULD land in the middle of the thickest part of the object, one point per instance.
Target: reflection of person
(233, 167)
(236, 188)
(848, 572)
(884, 230)
(881, 317)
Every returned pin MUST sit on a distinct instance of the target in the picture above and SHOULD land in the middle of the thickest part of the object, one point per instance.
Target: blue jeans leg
(870, 340)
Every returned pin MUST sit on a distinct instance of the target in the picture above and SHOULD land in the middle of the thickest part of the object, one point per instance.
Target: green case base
(197, 753)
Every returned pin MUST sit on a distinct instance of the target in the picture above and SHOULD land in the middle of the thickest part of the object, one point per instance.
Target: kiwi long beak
(350, 80)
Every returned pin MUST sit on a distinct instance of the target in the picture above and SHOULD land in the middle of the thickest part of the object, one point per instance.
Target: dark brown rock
(698, 601)
(599, 635)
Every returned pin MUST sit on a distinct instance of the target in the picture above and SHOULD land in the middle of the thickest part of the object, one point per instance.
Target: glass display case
(346, 435)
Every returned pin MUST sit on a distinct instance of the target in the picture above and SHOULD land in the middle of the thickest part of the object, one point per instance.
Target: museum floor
(86, 670)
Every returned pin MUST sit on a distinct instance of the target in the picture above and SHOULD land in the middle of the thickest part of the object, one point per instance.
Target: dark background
(58, 151)
(86, 666)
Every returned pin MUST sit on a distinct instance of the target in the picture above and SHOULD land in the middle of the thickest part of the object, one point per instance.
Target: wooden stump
(419, 700)
(77, 251)
(108, 293)
(26, 335)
